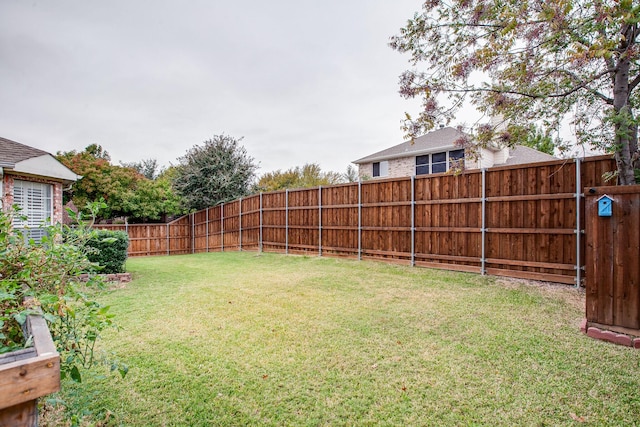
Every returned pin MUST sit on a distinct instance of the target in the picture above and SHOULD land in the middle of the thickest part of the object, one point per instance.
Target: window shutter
(36, 203)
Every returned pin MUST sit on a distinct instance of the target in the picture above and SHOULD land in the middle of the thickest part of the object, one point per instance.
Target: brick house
(434, 152)
(33, 180)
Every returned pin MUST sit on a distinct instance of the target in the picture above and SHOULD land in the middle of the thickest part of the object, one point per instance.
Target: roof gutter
(405, 154)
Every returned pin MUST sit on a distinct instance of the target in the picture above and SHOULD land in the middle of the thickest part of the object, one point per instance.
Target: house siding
(404, 166)
(365, 171)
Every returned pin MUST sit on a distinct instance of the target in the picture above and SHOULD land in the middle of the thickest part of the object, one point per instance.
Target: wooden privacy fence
(520, 221)
(173, 238)
(613, 260)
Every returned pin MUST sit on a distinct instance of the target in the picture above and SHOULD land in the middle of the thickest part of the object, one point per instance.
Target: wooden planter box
(26, 375)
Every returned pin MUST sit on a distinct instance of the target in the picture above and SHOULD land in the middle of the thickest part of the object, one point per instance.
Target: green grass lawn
(248, 339)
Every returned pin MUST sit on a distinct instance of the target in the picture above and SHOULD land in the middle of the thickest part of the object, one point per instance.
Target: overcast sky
(301, 80)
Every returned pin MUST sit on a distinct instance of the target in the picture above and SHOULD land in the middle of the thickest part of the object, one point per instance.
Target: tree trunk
(626, 147)
(623, 119)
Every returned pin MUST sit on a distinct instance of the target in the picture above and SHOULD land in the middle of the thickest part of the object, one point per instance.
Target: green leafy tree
(215, 172)
(152, 201)
(351, 175)
(97, 152)
(529, 62)
(43, 279)
(544, 141)
(125, 190)
(100, 179)
(149, 168)
(307, 176)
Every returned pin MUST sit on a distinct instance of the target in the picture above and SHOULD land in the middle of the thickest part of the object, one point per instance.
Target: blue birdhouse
(605, 203)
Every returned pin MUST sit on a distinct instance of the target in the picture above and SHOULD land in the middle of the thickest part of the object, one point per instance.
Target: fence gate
(612, 258)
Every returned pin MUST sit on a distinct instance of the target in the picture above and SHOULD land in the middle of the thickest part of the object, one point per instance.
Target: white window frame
(430, 164)
(383, 169)
(35, 200)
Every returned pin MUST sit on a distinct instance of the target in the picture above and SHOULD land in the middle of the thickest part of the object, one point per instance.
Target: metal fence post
(193, 225)
(413, 220)
(286, 220)
(484, 225)
(168, 241)
(578, 225)
(240, 225)
(320, 220)
(222, 227)
(260, 235)
(360, 220)
(207, 232)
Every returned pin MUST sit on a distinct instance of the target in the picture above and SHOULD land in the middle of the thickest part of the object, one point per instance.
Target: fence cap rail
(616, 189)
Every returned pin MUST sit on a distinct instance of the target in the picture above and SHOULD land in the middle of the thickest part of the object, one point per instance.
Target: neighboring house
(435, 152)
(33, 180)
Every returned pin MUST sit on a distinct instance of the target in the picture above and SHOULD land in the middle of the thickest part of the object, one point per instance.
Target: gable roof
(443, 138)
(521, 154)
(12, 152)
(20, 158)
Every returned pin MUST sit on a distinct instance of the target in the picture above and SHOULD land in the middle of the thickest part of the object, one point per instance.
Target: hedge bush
(110, 250)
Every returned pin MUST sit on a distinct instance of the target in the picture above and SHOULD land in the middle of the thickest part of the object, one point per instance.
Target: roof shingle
(14, 152)
(440, 138)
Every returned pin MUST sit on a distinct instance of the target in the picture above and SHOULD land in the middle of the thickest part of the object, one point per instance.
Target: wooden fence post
(148, 235)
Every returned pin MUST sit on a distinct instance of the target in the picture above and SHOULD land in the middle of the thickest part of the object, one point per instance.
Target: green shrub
(42, 278)
(109, 250)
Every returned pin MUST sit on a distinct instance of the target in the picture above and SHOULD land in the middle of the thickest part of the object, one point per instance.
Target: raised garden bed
(28, 374)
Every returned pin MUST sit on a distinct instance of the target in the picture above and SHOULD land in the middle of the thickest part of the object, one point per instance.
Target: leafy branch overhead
(529, 62)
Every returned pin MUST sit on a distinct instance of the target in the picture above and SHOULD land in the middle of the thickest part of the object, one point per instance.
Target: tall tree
(149, 168)
(100, 179)
(351, 175)
(124, 190)
(151, 200)
(307, 176)
(217, 171)
(544, 141)
(531, 61)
